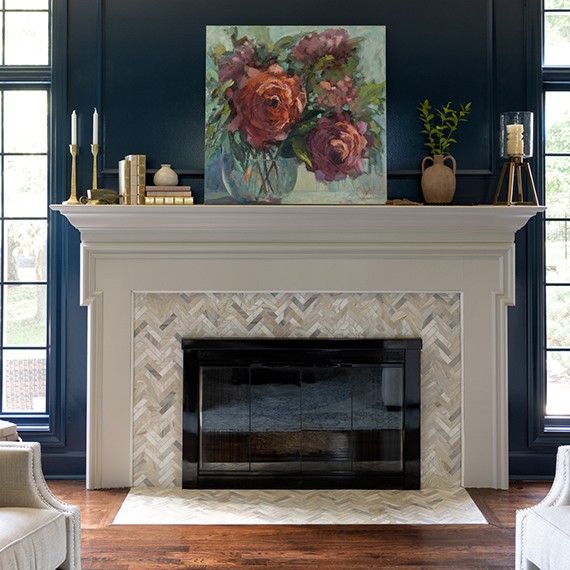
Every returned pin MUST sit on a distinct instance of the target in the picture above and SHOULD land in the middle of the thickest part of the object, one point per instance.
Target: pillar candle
(95, 127)
(73, 128)
(515, 140)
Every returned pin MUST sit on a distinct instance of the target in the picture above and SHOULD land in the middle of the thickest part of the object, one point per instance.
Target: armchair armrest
(559, 495)
(22, 484)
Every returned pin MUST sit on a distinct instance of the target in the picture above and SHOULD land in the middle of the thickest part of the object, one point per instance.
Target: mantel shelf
(298, 224)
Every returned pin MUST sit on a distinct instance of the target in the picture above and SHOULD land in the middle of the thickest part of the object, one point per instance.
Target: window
(25, 77)
(556, 87)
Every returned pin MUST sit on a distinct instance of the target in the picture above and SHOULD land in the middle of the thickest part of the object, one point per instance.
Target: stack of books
(168, 195)
(132, 179)
(133, 189)
(8, 431)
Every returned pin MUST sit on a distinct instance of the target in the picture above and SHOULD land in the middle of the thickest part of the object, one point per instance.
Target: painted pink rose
(266, 106)
(332, 42)
(337, 95)
(337, 148)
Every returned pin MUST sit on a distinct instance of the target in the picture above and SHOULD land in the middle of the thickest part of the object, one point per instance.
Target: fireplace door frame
(400, 353)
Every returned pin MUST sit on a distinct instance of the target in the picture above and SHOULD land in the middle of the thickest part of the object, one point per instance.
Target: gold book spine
(137, 178)
(169, 200)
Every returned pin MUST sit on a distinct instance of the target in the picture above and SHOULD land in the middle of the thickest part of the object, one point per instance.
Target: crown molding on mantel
(298, 224)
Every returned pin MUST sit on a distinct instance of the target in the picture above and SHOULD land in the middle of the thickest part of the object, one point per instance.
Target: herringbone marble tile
(205, 507)
(161, 320)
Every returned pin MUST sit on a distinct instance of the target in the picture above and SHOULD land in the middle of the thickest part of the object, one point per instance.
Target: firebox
(301, 413)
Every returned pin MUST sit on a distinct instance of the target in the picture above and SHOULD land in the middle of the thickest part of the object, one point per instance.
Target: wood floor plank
(339, 547)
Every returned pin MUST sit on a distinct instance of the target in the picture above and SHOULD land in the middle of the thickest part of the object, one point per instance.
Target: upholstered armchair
(543, 531)
(37, 531)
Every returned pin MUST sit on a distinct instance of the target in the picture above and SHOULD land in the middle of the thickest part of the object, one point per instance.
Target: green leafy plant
(440, 124)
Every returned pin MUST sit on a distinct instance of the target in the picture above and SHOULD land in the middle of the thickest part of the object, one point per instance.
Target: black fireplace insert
(301, 413)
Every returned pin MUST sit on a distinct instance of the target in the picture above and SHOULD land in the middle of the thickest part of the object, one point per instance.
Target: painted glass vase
(260, 179)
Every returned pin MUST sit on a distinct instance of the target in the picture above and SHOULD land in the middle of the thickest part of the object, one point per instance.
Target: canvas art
(295, 115)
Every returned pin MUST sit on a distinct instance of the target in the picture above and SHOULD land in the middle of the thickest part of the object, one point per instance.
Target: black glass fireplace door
(294, 416)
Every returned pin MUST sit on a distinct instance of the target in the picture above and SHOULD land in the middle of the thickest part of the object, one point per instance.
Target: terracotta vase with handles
(438, 179)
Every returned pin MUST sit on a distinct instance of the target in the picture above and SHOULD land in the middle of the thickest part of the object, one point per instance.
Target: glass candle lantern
(516, 134)
(516, 145)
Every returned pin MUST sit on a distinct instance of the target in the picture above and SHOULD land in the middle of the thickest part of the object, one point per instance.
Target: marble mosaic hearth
(161, 320)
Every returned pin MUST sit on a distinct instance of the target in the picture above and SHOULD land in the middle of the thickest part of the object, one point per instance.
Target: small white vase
(165, 176)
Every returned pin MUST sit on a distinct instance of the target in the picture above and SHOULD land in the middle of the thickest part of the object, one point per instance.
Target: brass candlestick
(94, 194)
(94, 152)
(72, 200)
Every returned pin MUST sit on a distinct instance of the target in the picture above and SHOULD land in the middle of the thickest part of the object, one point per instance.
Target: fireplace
(404, 268)
(301, 413)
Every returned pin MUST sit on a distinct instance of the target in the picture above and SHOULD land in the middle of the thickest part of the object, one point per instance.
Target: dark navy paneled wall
(149, 75)
(141, 63)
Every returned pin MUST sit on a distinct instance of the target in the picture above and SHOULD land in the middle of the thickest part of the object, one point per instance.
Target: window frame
(544, 429)
(554, 79)
(48, 427)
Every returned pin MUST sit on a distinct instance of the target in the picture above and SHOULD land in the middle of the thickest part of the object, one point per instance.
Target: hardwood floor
(154, 547)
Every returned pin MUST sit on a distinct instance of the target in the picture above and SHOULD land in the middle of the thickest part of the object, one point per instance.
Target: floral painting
(295, 115)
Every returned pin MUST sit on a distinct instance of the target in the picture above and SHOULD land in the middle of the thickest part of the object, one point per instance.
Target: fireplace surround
(182, 255)
(162, 319)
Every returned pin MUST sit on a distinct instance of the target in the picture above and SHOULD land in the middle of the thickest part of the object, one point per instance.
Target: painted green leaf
(300, 149)
(371, 94)
(285, 43)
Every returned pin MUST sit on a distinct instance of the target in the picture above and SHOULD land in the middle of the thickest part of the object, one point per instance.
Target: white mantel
(291, 224)
(130, 249)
